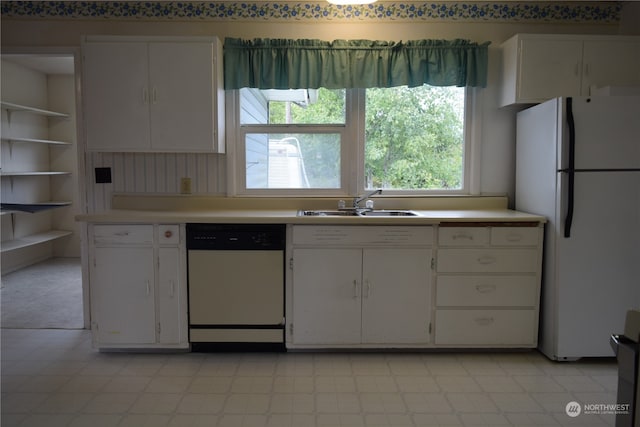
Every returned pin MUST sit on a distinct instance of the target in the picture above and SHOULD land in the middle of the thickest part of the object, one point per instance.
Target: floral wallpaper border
(535, 12)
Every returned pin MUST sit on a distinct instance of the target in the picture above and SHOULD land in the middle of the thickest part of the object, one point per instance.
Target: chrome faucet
(357, 200)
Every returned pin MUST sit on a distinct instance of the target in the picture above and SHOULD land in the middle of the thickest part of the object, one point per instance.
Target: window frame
(352, 133)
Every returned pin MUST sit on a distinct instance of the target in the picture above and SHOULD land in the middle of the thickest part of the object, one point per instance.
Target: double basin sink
(358, 212)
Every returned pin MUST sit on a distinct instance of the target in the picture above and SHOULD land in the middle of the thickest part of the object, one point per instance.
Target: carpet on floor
(46, 295)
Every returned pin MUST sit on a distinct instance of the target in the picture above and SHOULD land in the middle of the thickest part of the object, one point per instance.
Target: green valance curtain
(310, 64)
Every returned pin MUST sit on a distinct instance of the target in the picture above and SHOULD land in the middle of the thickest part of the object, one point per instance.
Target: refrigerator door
(597, 269)
(607, 131)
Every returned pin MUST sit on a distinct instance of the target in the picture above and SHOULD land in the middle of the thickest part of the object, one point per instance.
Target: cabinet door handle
(145, 95)
(484, 321)
(368, 283)
(355, 288)
(172, 288)
(485, 289)
(486, 259)
(154, 95)
(148, 287)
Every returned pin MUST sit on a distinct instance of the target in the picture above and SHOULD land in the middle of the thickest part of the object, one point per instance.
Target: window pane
(414, 138)
(300, 160)
(295, 106)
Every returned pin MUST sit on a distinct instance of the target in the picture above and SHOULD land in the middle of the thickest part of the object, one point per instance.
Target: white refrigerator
(578, 164)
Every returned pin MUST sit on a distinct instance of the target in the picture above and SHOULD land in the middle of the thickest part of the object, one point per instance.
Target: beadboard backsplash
(153, 173)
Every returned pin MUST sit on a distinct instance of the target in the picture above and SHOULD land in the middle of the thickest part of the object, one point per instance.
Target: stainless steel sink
(359, 212)
(349, 212)
(389, 212)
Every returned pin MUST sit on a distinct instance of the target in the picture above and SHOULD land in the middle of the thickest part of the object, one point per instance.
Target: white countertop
(131, 208)
(424, 217)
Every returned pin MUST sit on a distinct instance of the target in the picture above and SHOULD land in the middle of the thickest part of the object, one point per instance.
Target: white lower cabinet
(360, 287)
(488, 286)
(123, 296)
(499, 328)
(137, 286)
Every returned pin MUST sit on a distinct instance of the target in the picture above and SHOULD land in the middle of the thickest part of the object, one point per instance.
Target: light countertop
(153, 209)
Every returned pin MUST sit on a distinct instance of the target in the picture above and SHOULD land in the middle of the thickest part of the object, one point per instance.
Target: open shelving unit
(13, 204)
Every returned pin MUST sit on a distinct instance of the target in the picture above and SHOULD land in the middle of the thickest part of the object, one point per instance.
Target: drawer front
(324, 235)
(488, 260)
(463, 236)
(168, 234)
(486, 327)
(515, 236)
(486, 291)
(122, 234)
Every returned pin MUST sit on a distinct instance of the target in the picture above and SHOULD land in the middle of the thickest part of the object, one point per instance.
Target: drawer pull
(484, 321)
(514, 237)
(168, 234)
(485, 289)
(462, 236)
(486, 259)
(121, 233)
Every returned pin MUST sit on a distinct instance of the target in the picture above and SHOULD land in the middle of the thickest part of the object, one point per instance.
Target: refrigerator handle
(571, 170)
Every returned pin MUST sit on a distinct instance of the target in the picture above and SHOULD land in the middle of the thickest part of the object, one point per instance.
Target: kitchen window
(342, 142)
(380, 114)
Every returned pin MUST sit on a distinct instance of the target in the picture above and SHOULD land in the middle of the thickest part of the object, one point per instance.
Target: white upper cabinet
(611, 63)
(153, 95)
(538, 67)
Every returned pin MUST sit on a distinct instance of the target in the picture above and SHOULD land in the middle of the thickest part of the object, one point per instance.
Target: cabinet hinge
(291, 263)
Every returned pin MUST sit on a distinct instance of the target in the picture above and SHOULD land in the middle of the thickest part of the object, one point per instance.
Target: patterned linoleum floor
(53, 378)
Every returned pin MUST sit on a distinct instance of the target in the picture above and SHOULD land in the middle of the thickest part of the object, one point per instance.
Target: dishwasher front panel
(236, 288)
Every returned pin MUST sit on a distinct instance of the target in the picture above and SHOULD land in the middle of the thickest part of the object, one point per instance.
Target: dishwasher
(236, 286)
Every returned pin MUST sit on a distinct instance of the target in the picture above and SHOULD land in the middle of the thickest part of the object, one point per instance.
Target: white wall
(497, 126)
(24, 86)
(61, 94)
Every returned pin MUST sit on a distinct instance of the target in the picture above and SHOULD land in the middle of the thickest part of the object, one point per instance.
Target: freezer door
(607, 132)
(537, 131)
(597, 269)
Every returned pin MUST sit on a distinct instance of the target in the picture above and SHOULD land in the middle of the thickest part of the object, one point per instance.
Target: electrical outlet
(185, 185)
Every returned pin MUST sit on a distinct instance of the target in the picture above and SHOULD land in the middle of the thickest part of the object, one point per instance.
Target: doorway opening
(40, 240)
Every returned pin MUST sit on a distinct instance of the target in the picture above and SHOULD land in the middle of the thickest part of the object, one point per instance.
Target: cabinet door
(115, 94)
(395, 296)
(122, 286)
(182, 94)
(610, 63)
(326, 296)
(170, 297)
(549, 68)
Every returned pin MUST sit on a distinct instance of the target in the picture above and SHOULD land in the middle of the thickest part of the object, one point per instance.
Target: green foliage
(414, 138)
(330, 110)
